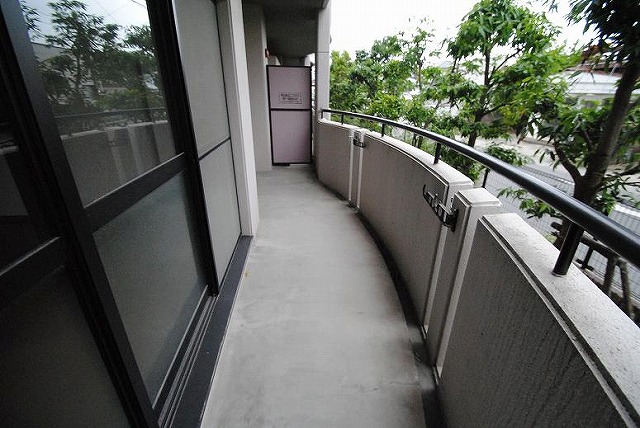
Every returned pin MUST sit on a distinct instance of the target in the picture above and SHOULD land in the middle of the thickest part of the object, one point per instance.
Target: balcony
(319, 337)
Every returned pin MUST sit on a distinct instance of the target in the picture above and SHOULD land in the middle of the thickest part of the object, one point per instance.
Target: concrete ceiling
(292, 25)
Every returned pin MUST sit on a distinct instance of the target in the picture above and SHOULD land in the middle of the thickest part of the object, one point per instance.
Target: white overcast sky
(356, 24)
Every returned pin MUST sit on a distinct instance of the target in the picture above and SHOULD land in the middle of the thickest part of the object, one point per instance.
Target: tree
(618, 39)
(96, 68)
(131, 68)
(345, 94)
(86, 39)
(32, 19)
(384, 75)
(386, 80)
(510, 48)
(586, 139)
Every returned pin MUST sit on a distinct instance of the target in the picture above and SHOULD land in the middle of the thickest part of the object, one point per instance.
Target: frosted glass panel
(150, 257)
(291, 136)
(219, 184)
(202, 64)
(51, 373)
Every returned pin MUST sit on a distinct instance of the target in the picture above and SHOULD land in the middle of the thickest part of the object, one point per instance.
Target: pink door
(290, 114)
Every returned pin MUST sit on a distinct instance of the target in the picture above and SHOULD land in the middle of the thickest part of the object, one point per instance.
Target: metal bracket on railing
(447, 217)
(358, 139)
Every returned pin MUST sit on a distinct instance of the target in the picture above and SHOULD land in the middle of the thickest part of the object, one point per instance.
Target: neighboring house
(594, 85)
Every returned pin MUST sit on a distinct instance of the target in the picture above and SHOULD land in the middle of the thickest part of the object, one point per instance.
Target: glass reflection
(102, 80)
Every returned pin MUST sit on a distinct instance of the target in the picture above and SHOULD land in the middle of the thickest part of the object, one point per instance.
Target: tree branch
(567, 164)
(634, 104)
(630, 171)
(588, 139)
(495, 108)
(507, 58)
(487, 64)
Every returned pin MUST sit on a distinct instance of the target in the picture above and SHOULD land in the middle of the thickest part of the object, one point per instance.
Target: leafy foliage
(96, 68)
(505, 79)
(86, 41)
(510, 47)
(534, 208)
(507, 154)
(574, 133)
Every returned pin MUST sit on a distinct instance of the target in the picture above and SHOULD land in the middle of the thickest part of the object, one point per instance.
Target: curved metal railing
(72, 123)
(620, 239)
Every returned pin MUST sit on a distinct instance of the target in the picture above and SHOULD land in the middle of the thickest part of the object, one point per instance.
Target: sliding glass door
(117, 220)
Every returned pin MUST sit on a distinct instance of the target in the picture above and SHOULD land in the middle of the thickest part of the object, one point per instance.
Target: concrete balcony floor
(317, 336)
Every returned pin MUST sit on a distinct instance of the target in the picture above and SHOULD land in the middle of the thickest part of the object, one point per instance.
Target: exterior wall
(234, 60)
(391, 176)
(256, 44)
(334, 157)
(529, 348)
(323, 55)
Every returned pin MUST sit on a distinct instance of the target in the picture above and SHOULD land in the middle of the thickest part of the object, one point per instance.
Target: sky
(123, 12)
(356, 24)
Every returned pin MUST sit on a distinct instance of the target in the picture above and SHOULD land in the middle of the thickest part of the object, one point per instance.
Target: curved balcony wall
(512, 345)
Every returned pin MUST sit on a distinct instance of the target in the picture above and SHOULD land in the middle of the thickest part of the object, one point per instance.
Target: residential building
(124, 246)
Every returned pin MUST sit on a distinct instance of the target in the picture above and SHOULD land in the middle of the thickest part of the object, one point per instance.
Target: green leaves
(493, 23)
(91, 55)
(508, 46)
(507, 154)
(616, 23)
(378, 81)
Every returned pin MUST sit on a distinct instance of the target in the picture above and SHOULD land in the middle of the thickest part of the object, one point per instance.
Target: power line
(105, 10)
(144, 6)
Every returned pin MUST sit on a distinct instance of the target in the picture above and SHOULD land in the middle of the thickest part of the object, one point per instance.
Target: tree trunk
(591, 181)
(479, 114)
(587, 187)
(477, 118)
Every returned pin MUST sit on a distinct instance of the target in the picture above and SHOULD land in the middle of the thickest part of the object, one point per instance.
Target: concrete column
(323, 56)
(471, 205)
(256, 44)
(236, 79)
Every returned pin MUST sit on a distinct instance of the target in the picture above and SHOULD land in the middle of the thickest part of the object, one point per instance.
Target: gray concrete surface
(528, 348)
(317, 337)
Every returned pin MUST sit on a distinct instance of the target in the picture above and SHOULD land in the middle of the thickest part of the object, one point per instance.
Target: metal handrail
(620, 239)
(107, 113)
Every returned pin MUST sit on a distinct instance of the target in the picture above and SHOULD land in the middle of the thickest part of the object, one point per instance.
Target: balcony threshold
(317, 336)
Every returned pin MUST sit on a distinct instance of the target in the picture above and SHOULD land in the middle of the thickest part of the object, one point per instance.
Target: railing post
(568, 250)
(486, 176)
(382, 131)
(436, 158)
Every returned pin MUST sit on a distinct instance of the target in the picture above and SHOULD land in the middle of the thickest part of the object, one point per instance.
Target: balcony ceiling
(292, 25)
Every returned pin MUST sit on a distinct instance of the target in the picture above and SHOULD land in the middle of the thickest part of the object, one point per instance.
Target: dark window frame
(76, 247)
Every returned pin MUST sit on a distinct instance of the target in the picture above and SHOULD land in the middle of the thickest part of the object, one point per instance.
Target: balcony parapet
(511, 343)
(582, 217)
